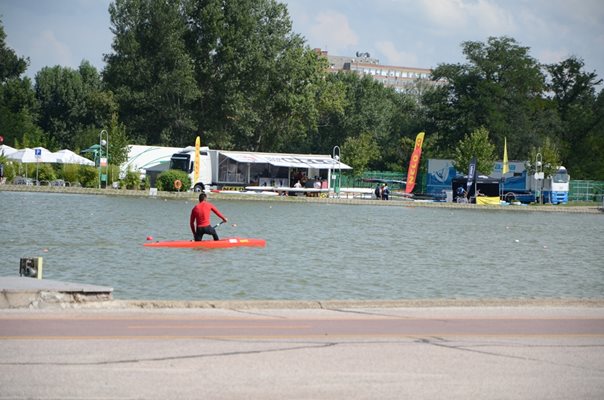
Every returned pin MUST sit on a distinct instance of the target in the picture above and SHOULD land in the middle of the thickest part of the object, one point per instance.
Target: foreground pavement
(494, 352)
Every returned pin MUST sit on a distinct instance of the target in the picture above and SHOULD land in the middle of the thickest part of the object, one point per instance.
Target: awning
(245, 157)
(286, 160)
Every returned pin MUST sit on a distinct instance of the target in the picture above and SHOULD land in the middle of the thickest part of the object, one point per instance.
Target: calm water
(314, 251)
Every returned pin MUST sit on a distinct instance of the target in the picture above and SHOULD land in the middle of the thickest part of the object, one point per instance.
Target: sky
(410, 33)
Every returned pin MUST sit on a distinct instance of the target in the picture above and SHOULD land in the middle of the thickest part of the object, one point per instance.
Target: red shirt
(201, 214)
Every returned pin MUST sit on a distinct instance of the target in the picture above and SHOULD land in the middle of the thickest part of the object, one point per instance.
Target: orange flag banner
(414, 163)
(196, 161)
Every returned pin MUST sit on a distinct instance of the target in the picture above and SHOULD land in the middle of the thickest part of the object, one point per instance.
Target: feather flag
(414, 163)
(197, 160)
(471, 177)
(505, 167)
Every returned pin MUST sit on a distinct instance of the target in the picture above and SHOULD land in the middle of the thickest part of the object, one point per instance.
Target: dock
(25, 292)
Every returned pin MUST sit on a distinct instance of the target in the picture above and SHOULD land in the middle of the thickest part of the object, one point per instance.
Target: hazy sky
(413, 33)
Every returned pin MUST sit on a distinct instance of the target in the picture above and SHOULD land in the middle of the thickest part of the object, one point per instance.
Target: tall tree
(258, 80)
(18, 106)
(151, 72)
(11, 65)
(476, 144)
(500, 88)
(580, 115)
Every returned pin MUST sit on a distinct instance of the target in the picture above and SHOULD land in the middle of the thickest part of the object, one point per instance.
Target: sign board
(103, 161)
(539, 176)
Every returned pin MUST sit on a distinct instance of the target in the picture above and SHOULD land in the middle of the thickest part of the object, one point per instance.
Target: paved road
(419, 353)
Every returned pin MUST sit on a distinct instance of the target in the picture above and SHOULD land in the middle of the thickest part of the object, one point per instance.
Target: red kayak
(210, 244)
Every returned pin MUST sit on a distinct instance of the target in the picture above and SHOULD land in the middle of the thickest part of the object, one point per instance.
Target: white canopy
(6, 150)
(69, 157)
(318, 161)
(28, 155)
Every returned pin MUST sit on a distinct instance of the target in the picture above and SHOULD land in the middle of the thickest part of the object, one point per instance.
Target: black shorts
(201, 230)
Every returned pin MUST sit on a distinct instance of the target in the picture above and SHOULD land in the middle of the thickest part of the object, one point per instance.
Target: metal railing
(584, 190)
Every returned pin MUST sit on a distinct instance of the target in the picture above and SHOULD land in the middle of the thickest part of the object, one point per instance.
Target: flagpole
(504, 168)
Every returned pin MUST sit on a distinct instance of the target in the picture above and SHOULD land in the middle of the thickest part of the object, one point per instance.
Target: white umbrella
(28, 155)
(6, 150)
(69, 157)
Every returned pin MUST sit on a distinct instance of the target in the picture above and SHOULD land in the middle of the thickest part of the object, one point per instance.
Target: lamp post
(539, 175)
(103, 161)
(336, 156)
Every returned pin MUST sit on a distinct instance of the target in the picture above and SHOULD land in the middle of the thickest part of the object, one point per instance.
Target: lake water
(314, 251)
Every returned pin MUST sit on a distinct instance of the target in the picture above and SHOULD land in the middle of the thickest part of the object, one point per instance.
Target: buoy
(234, 224)
(517, 241)
(177, 184)
(149, 237)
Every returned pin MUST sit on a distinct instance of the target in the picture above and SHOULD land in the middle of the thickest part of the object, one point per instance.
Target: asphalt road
(419, 353)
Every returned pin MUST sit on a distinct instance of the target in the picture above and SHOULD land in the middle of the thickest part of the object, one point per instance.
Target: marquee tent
(6, 150)
(28, 155)
(69, 157)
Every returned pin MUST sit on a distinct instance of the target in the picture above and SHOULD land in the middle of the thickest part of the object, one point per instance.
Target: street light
(103, 161)
(336, 156)
(539, 175)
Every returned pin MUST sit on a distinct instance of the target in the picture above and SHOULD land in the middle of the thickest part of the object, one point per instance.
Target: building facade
(408, 80)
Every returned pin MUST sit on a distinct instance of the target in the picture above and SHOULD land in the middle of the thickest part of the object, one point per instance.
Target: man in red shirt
(201, 215)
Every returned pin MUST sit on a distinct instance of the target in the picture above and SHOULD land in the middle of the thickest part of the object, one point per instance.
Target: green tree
(500, 88)
(358, 151)
(73, 105)
(11, 65)
(258, 80)
(151, 73)
(580, 114)
(476, 144)
(18, 105)
(61, 95)
(365, 105)
(549, 156)
(118, 141)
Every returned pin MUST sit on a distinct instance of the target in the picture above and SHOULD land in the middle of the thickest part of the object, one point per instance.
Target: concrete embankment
(31, 293)
(395, 202)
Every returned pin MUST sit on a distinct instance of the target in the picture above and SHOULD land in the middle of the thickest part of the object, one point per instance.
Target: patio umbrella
(69, 157)
(28, 155)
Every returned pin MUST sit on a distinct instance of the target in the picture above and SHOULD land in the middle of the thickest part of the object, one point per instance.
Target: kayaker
(200, 219)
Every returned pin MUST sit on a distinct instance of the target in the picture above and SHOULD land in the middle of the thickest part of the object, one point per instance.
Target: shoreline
(63, 301)
(192, 196)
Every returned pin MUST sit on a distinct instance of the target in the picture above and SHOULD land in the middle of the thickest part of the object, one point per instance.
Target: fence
(357, 182)
(586, 191)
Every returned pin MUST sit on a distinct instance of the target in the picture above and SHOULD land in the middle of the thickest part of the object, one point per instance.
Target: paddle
(218, 224)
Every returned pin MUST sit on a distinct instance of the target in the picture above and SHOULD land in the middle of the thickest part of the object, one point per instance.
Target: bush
(89, 176)
(70, 173)
(45, 172)
(165, 180)
(10, 171)
(132, 180)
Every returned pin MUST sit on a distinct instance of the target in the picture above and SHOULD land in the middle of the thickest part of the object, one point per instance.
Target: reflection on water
(314, 251)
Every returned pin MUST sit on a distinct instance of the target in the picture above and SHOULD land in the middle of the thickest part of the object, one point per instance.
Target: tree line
(236, 74)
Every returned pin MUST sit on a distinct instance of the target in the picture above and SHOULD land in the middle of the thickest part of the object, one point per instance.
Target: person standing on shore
(200, 219)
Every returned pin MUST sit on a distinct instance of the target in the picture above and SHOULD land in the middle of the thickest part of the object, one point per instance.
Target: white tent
(28, 155)
(6, 150)
(69, 157)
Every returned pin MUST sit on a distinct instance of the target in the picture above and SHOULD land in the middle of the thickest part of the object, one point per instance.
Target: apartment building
(403, 79)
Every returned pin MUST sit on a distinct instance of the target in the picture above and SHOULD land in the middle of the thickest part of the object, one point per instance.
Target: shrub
(45, 172)
(132, 180)
(89, 176)
(70, 173)
(165, 180)
(10, 171)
